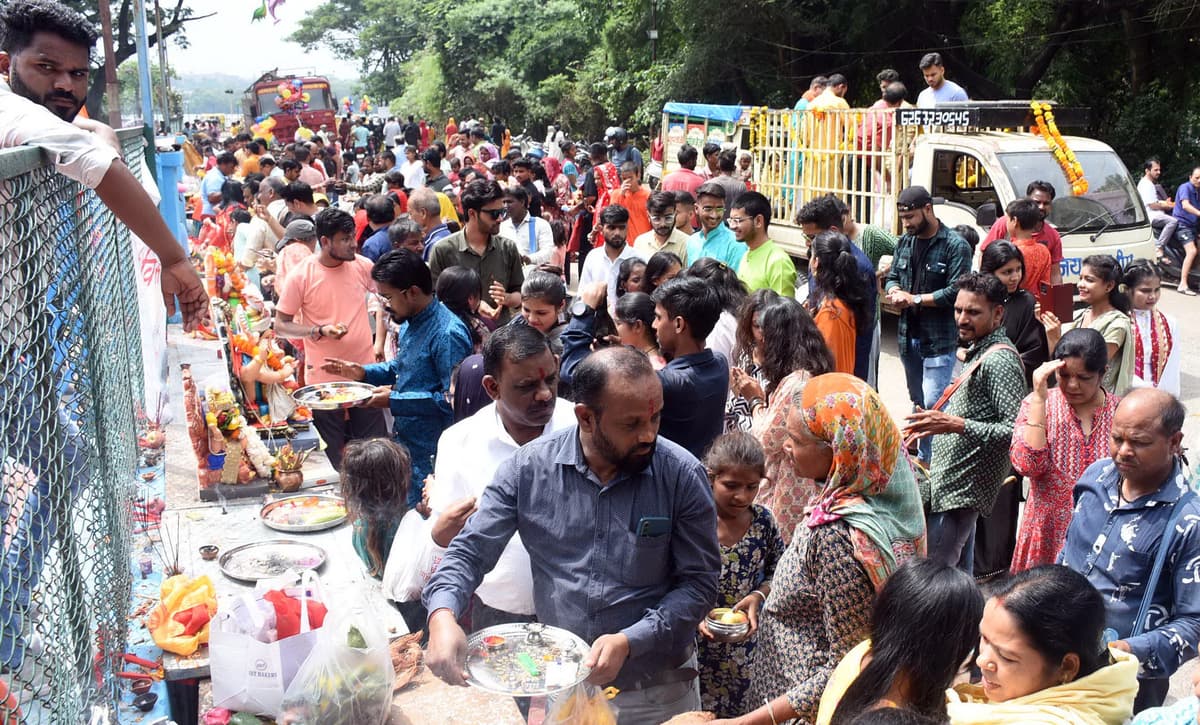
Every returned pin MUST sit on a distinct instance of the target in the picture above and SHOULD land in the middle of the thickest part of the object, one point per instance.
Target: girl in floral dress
(750, 547)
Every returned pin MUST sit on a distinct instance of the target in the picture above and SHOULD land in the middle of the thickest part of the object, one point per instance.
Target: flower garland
(1048, 129)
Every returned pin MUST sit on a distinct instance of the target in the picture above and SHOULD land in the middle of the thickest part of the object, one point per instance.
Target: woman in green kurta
(1107, 312)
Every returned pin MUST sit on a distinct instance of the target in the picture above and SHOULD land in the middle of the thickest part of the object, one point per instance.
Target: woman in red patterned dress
(1060, 432)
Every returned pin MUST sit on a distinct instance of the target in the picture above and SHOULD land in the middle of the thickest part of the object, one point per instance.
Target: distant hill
(205, 92)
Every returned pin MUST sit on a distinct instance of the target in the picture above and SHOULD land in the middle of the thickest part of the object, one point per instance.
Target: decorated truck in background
(974, 158)
(275, 105)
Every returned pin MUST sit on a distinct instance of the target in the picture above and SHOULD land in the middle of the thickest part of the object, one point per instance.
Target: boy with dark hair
(381, 212)
(695, 381)
(522, 170)
(685, 212)
(1024, 218)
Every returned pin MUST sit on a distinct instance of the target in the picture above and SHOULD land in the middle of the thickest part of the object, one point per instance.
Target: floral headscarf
(870, 484)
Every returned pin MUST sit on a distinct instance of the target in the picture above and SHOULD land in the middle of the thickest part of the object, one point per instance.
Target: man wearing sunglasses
(479, 246)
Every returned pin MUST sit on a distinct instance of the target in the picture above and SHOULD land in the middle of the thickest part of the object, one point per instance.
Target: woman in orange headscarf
(451, 128)
(865, 522)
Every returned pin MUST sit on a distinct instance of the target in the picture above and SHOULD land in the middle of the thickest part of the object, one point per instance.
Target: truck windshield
(319, 99)
(1111, 200)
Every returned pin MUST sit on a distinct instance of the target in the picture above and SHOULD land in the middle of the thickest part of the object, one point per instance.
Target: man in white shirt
(940, 90)
(1159, 204)
(532, 234)
(391, 130)
(521, 377)
(600, 264)
(265, 228)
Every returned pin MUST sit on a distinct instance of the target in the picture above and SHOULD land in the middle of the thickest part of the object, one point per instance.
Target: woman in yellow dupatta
(1043, 659)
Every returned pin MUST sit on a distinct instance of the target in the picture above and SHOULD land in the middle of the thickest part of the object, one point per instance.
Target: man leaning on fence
(45, 52)
(45, 55)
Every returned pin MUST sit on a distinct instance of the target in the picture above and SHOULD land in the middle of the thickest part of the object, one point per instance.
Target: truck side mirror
(985, 215)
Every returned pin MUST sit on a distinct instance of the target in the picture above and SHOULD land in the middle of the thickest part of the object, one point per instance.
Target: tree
(127, 77)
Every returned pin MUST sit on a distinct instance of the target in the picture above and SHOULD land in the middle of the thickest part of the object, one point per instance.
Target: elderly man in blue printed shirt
(1123, 506)
(432, 340)
(620, 527)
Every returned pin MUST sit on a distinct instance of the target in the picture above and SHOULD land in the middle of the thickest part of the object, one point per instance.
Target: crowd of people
(723, 443)
(690, 429)
(693, 430)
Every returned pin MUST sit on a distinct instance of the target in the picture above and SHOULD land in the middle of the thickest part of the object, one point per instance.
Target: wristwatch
(580, 308)
(918, 299)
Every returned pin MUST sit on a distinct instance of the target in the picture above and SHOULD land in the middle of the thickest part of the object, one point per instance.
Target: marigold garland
(1048, 129)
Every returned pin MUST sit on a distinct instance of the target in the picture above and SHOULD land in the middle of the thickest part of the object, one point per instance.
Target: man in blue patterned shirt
(432, 340)
(1122, 507)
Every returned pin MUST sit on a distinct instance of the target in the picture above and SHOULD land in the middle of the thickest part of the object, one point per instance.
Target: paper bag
(251, 676)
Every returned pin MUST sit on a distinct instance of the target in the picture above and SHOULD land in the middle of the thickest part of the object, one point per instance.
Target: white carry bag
(413, 559)
(249, 675)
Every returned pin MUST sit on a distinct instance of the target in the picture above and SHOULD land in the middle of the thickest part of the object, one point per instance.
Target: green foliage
(423, 83)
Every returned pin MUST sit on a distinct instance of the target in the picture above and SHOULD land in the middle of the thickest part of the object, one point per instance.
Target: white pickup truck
(974, 158)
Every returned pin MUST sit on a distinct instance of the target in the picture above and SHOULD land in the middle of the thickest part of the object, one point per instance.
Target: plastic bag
(347, 680)
(179, 622)
(583, 704)
(412, 560)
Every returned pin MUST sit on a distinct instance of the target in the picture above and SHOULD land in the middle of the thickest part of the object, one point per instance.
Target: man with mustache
(972, 422)
(520, 375)
(430, 343)
(45, 50)
(620, 529)
(1127, 508)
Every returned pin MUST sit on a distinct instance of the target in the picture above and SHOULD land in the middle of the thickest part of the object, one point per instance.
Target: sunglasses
(495, 213)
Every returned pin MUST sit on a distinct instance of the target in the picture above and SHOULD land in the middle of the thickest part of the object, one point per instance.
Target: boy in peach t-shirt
(332, 291)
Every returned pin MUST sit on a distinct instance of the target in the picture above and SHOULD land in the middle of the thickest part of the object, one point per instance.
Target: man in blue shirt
(940, 90)
(214, 179)
(1123, 506)
(621, 532)
(381, 212)
(1187, 211)
(715, 239)
(432, 340)
(622, 151)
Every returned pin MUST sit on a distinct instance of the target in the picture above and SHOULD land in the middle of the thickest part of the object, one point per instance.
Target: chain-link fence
(70, 381)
